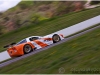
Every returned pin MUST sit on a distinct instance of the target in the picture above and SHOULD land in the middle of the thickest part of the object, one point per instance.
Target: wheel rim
(56, 38)
(27, 49)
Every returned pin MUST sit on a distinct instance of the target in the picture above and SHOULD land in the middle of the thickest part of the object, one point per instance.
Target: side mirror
(31, 39)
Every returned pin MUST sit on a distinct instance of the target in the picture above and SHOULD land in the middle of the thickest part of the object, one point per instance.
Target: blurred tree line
(32, 12)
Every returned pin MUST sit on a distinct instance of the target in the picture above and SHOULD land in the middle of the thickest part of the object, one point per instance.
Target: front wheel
(56, 38)
(27, 49)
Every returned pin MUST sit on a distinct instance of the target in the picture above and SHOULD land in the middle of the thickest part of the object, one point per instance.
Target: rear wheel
(27, 49)
(56, 38)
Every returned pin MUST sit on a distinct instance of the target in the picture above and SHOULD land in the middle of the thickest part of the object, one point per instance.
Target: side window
(22, 41)
(33, 38)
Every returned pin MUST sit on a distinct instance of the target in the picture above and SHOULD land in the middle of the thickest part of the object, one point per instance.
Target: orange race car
(32, 43)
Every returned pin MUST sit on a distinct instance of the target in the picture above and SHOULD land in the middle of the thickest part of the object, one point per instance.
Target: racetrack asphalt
(66, 32)
(42, 49)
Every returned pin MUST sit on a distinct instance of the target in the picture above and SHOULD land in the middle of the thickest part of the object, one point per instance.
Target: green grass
(48, 26)
(79, 53)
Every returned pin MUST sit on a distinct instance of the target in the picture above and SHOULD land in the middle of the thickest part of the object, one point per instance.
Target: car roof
(27, 39)
(33, 36)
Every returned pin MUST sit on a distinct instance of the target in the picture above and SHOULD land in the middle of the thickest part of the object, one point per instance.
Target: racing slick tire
(56, 38)
(27, 49)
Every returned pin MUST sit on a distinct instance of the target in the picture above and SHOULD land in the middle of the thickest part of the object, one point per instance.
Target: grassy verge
(73, 56)
(48, 26)
(5, 60)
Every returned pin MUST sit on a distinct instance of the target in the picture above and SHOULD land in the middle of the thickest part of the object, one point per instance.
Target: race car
(32, 43)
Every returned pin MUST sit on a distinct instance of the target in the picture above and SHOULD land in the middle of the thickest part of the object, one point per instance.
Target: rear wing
(10, 45)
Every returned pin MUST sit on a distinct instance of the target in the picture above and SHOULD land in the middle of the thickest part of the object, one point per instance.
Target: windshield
(33, 38)
(22, 41)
